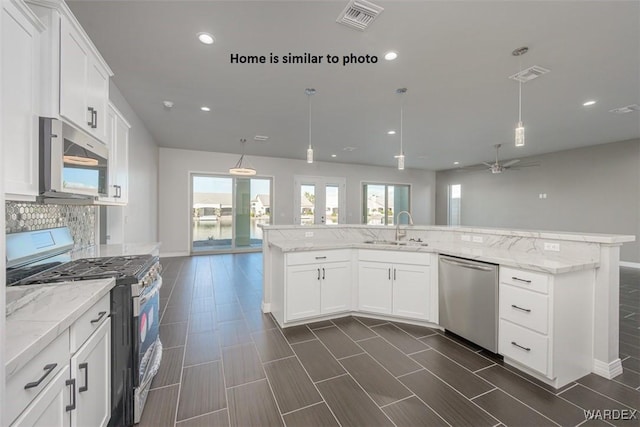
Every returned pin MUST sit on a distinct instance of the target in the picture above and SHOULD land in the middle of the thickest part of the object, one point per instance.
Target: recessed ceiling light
(167, 104)
(206, 38)
(260, 138)
(391, 132)
(349, 149)
(390, 56)
(456, 163)
(588, 103)
(205, 109)
(334, 155)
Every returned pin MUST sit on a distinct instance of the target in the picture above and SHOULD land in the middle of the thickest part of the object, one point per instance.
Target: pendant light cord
(520, 90)
(401, 119)
(309, 96)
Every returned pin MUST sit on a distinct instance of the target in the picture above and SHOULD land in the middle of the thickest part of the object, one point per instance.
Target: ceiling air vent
(529, 74)
(359, 14)
(627, 109)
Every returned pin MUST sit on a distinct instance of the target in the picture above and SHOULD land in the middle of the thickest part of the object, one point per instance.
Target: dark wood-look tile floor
(228, 364)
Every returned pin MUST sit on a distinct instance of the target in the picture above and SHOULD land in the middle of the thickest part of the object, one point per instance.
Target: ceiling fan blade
(510, 163)
(525, 165)
(487, 164)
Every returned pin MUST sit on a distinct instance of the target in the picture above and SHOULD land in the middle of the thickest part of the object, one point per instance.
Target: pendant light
(239, 168)
(309, 92)
(519, 139)
(401, 91)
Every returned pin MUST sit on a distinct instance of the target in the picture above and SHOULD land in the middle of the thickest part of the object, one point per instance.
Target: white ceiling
(454, 58)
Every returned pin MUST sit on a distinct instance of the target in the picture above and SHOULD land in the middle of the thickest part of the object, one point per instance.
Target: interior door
(319, 200)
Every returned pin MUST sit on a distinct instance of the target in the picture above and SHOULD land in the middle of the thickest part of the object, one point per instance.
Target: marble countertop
(37, 314)
(553, 264)
(117, 250)
(540, 234)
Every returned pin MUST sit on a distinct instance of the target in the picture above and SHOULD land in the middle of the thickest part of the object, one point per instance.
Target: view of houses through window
(226, 212)
(382, 203)
(318, 200)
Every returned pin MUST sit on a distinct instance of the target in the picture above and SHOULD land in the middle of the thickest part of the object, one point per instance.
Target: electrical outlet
(555, 247)
(308, 234)
(465, 238)
(477, 239)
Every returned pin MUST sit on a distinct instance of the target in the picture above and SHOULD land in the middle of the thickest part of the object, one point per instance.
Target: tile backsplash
(81, 220)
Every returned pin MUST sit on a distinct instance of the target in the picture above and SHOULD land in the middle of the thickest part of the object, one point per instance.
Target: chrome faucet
(402, 233)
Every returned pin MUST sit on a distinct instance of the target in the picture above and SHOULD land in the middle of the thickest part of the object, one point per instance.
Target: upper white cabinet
(75, 77)
(20, 99)
(84, 82)
(118, 141)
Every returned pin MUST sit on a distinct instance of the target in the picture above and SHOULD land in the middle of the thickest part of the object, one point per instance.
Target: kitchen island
(319, 272)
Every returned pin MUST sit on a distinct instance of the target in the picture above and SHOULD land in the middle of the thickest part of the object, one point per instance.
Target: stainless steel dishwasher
(468, 296)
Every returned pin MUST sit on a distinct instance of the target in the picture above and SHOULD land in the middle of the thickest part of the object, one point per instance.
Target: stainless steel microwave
(73, 165)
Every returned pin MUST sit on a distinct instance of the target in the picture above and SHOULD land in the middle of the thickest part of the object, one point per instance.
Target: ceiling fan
(498, 167)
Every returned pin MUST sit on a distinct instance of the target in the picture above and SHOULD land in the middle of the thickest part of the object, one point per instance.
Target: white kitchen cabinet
(394, 282)
(544, 328)
(20, 99)
(51, 407)
(74, 78)
(67, 384)
(375, 287)
(84, 83)
(317, 283)
(90, 367)
(118, 142)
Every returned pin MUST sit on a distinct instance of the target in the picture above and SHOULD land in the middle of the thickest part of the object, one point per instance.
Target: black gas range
(38, 257)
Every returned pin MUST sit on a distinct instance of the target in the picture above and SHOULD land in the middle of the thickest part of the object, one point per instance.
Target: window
(455, 196)
(382, 202)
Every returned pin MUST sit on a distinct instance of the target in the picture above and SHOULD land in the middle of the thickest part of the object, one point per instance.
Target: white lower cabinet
(63, 387)
(318, 289)
(317, 283)
(401, 287)
(545, 328)
(90, 367)
(50, 406)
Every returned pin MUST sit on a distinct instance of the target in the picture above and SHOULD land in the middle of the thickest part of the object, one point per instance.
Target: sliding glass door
(226, 211)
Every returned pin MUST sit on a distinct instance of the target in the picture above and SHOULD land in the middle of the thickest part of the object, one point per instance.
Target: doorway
(226, 212)
(319, 200)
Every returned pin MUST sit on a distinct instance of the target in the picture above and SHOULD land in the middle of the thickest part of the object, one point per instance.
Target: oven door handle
(150, 292)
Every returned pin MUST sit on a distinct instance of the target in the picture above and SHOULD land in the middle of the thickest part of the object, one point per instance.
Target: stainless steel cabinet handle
(323, 273)
(47, 370)
(85, 387)
(528, 310)
(99, 318)
(72, 383)
(465, 265)
(394, 274)
(95, 119)
(389, 274)
(321, 257)
(519, 346)
(318, 274)
(90, 122)
(520, 280)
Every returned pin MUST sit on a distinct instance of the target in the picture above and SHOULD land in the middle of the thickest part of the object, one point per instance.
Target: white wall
(2, 254)
(176, 165)
(141, 212)
(593, 189)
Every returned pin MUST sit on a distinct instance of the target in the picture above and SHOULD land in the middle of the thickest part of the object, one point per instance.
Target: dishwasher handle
(466, 265)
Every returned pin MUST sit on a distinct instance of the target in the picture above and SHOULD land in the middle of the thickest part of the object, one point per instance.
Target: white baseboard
(266, 307)
(607, 370)
(173, 254)
(630, 264)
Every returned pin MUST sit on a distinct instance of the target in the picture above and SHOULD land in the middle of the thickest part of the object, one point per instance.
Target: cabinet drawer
(18, 398)
(313, 257)
(524, 308)
(538, 282)
(394, 257)
(89, 322)
(524, 346)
